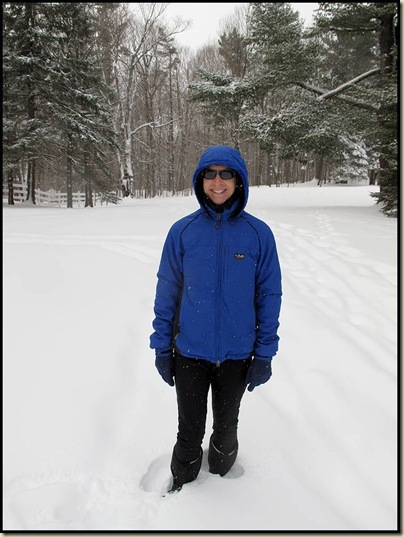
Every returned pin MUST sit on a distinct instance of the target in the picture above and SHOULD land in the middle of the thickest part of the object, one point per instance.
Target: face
(219, 190)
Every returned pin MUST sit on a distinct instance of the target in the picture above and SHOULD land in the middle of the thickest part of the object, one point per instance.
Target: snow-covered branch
(348, 84)
(153, 125)
(349, 100)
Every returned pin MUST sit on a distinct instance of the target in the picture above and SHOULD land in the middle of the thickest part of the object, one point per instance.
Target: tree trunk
(31, 10)
(150, 166)
(172, 182)
(88, 190)
(69, 174)
(31, 183)
(372, 177)
(319, 171)
(387, 119)
(10, 185)
(127, 125)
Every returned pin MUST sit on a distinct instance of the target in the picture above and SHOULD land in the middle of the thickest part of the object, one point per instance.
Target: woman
(217, 308)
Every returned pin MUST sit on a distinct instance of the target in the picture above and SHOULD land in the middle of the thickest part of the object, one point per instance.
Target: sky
(89, 425)
(205, 18)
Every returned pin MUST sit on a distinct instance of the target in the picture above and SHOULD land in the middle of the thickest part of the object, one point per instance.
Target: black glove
(259, 372)
(165, 366)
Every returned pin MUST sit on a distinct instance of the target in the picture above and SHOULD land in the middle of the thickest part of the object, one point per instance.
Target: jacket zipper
(219, 266)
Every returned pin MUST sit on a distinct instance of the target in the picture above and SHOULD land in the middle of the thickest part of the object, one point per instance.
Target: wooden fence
(59, 199)
(51, 197)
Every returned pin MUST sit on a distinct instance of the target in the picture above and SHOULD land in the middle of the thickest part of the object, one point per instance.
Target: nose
(217, 180)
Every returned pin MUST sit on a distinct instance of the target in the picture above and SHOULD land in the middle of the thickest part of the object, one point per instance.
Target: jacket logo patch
(239, 256)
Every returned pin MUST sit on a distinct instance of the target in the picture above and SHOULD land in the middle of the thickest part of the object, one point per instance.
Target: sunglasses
(224, 174)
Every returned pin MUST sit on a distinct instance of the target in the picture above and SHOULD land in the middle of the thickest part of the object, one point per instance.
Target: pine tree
(379, 20)
(82, 116)
(58, 110)
(24, 46)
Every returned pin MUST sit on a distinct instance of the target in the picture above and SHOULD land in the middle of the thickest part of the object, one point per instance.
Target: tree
(100, 94)
(281, 55)
(25, 45)
(261, 71)
(293, 124)
(58, 109)
(268, 105)
(356, 164)
(380, 21)
(232, 47)
(82, 117)
(137, 76)
(221, 92)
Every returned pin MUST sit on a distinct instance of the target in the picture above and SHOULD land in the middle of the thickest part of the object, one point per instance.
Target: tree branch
(152, 125)
(348, 84)
(349, 100)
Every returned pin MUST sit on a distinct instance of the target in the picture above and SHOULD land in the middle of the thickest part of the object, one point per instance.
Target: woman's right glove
(259, 372)
(165, 366)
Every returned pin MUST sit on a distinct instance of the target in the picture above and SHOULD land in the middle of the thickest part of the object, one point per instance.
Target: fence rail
(51, 197)
(59, 199)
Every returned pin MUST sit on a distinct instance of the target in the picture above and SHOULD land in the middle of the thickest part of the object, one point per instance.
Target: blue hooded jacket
(218, 294)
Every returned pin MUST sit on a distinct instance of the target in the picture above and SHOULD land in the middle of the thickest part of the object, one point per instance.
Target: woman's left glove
(165, 366)
(259, 372)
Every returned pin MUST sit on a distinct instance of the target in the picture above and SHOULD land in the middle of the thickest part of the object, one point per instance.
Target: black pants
(193, 378)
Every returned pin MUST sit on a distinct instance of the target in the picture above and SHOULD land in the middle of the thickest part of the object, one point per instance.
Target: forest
(100, 98)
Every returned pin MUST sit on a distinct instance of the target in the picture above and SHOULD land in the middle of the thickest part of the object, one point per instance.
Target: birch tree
(145, 30)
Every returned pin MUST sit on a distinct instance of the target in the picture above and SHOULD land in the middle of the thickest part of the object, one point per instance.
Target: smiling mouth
(219, 191)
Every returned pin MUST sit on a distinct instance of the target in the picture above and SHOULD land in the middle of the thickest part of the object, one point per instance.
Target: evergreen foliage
(57, 113)
(377, 25)
(343, 51)
(99, 95)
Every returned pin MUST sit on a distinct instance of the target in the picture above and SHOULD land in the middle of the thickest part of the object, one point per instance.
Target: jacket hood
(222, 155)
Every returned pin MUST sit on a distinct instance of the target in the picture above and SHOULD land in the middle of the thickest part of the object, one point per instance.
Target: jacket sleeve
(168, 292)
(267, 297)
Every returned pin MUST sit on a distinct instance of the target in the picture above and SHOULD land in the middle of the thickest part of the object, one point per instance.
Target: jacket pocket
(239, 270)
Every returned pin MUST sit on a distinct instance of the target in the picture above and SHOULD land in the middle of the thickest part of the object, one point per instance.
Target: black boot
(219, 462)
(184, 473)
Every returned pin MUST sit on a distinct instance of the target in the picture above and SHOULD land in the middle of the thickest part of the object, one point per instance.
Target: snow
(89, 425)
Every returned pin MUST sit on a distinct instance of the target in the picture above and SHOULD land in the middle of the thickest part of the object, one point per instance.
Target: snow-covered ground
(89, 425)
